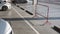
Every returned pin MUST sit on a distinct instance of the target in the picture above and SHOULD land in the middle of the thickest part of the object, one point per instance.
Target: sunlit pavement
(36, 23)
(20, 27)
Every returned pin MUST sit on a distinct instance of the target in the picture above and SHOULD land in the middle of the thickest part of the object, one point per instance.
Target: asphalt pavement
(27, 26)
(18, 26)
(46, 29)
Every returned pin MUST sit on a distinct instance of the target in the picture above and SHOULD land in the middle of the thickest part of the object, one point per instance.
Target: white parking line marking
(26, 21)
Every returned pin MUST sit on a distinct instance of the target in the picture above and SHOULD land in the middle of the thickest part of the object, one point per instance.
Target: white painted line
(26, 21)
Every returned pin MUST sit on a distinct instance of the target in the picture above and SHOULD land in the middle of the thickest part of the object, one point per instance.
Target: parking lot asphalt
(21, 27)
(18, 26)
(36, 23)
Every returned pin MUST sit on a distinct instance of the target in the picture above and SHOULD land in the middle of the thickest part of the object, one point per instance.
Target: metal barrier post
(35, 13)
(34, 7)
